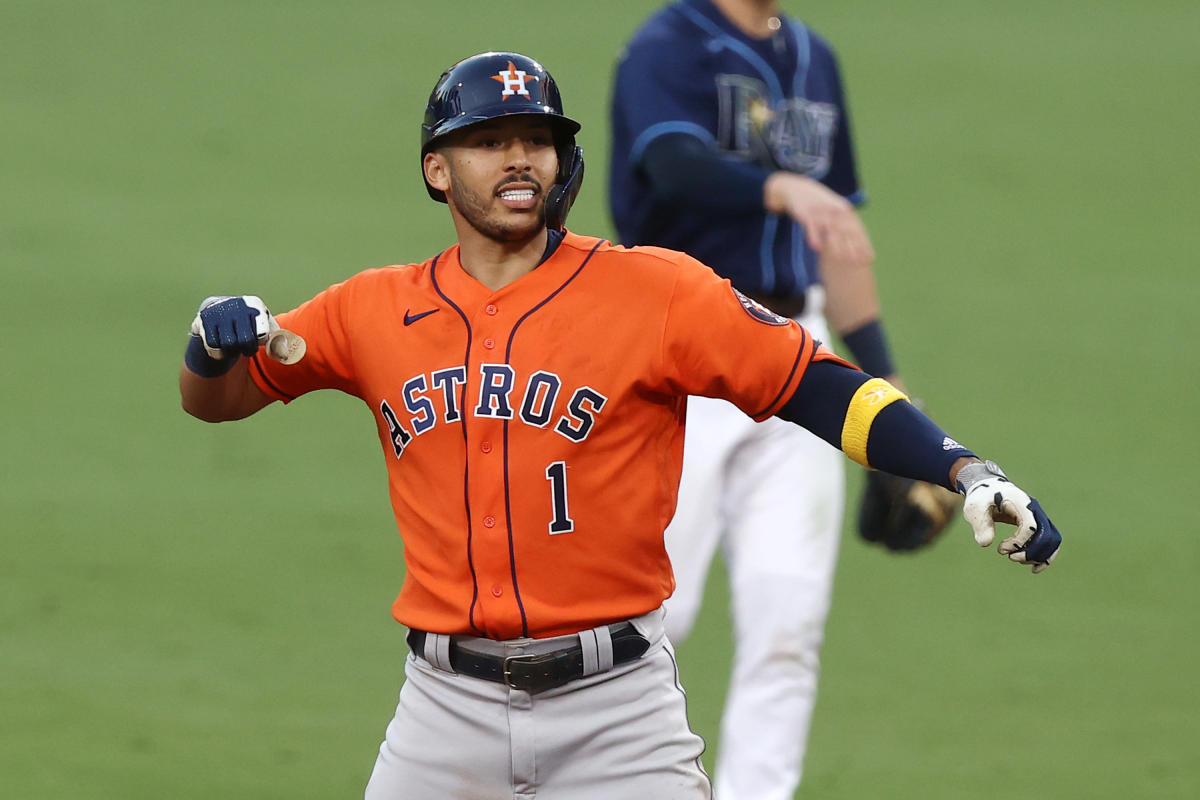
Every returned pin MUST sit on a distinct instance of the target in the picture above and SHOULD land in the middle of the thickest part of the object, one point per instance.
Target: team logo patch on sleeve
(758, 311)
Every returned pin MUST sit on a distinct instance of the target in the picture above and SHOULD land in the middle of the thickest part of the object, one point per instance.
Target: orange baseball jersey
(534, 434)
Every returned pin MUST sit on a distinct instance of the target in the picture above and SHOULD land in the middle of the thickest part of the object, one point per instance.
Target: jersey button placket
(488, 484)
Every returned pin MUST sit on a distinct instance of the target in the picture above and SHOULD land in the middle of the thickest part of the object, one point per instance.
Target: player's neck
(757, 18)
(496, 264)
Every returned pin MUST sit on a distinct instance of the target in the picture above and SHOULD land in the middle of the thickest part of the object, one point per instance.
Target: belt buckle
(527, 676)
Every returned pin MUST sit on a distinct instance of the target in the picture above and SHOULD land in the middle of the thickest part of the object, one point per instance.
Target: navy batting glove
(1044, 543)
(990, 497)
(229, 325)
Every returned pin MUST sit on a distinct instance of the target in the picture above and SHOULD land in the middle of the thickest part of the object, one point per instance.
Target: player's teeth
(518, 194)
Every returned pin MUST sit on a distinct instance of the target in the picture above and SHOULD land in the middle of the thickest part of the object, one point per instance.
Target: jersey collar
(564, 255)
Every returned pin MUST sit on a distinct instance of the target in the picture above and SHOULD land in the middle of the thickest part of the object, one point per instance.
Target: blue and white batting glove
(231, 326)
(989, 496)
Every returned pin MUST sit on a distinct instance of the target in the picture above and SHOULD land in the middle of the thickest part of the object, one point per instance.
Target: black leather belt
(534, 673)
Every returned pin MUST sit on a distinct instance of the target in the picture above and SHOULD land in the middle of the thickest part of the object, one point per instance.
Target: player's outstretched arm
(214, 382)
(875, 425)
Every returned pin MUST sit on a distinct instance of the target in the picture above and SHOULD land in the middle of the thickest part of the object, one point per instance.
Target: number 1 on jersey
(561, 521)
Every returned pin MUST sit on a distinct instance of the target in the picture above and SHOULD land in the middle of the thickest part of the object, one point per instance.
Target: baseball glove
(904, 514)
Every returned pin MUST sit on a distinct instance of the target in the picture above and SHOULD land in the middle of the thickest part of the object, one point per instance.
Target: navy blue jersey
(774, 103)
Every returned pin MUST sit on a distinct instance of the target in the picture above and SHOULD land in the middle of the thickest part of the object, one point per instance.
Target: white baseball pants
(772, 495)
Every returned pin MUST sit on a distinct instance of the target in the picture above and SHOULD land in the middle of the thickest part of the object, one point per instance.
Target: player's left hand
(991, 497)
(831, 223)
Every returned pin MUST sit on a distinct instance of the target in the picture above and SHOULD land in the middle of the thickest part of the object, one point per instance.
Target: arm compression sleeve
(898, 438)
(684, 169)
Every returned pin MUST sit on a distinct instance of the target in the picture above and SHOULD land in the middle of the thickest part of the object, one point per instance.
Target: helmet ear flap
(564, 191)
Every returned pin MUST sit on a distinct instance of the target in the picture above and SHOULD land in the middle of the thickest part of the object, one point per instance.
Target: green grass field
(193, 611)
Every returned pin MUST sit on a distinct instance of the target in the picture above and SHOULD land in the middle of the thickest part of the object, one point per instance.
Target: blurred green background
(195, 611)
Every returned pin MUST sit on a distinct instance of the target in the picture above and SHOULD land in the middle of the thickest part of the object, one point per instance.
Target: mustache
(518, 179)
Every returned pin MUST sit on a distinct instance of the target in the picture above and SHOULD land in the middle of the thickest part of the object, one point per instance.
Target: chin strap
(563, 193)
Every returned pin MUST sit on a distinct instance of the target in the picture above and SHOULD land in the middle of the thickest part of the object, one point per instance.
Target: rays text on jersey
(792, 133)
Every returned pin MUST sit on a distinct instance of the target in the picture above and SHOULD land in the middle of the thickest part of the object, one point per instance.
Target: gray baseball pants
(621, 733)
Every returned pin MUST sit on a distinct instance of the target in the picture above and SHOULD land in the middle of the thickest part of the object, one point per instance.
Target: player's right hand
(232, 326)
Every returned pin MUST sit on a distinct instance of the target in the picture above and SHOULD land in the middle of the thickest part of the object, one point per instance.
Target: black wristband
(200, 362)
(869, 348)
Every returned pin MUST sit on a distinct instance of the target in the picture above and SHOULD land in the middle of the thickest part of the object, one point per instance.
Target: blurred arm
(836, 232)
(685, 170)
(852, 308)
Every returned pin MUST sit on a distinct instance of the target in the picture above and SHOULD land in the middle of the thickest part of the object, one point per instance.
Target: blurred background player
(731, 142)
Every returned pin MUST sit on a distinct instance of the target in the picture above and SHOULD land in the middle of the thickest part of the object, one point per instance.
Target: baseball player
(731, 142)
(528, 386)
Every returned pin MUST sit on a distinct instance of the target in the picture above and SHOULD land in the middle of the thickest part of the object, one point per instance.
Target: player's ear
(437, 171)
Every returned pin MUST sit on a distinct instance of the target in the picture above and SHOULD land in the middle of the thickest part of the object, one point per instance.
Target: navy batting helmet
(490, 85)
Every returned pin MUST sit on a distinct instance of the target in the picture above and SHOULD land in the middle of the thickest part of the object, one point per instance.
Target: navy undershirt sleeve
(903, 441)
(685, 170)
(821, 399)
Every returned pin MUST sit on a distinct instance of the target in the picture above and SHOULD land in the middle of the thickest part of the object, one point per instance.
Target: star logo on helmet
(514, 81)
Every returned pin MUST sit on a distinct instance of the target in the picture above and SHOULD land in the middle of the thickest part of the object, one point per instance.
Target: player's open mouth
(517, 198)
